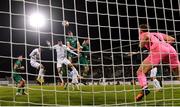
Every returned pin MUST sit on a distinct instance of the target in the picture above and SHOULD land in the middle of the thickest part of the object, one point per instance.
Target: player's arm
(135, 53)
(68, 49)
(79, 47)
(169, 39)
(18, 68)
(32, 54)
(144, 41)
(49, 45)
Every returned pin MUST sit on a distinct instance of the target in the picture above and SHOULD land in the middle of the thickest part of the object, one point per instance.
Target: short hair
(144, 27)
(69, 32)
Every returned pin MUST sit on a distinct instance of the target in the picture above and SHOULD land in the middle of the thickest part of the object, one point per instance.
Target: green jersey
(16, 76)
(84, 54)
(73, 42)
(18, 63)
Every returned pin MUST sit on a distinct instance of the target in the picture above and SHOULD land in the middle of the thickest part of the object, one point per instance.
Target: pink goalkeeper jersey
(160, 50)
(156, 40)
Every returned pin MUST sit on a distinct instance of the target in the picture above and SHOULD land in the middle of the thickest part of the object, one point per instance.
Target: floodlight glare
(37, 20)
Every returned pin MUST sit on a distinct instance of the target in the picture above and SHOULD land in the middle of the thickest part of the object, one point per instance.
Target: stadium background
(111, 32)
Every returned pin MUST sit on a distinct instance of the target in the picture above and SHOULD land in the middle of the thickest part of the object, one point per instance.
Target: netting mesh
(111, 26)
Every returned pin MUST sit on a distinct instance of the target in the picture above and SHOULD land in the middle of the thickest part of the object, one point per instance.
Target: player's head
(143, 28)
(20, 58)
(60, 42)
(70, 33)
(87, 40)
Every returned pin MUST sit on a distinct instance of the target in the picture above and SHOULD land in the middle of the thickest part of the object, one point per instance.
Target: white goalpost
(104, 34)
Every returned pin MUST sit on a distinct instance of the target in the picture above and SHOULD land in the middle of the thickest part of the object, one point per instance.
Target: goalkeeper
(160, 48)
(18, 78)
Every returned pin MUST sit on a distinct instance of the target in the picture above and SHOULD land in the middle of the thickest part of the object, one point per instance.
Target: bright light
(37, 20)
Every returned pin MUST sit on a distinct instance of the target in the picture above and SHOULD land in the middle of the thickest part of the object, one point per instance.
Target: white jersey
(35, 55)
(62, 51)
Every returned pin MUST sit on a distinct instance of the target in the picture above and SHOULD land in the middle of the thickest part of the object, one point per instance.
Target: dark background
(110, 24)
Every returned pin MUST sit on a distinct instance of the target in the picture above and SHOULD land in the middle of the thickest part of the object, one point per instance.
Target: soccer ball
(65, 23)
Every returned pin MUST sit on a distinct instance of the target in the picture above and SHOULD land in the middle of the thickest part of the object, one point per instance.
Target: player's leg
(160, 80)
(39, 67)
(174, 63)
(17, 79)
(143, 69)
(75, 81)
(153, 59)
(153, 78)
(59, 70)
(176, 70)
(67, 62)
(22, 84)
(85, 72)
(60, 73)
(41, 73)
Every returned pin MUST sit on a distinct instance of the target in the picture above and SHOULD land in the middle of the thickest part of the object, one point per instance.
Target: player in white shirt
(73, 79)
(35, 57)
(61, 51)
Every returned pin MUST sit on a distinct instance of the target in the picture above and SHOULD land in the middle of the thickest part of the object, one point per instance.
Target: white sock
(77, 86)
(41, 73)
(156, 84)
(72, 85)
(61, 78)
(75, 71)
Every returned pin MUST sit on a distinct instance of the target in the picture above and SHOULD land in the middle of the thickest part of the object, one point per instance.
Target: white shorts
(153, 72)
(35, 64)
(62, 61)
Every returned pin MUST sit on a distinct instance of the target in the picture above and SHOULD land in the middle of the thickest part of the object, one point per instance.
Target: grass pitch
(120, 95)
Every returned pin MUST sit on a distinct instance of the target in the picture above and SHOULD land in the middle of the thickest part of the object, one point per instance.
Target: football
(65, 23)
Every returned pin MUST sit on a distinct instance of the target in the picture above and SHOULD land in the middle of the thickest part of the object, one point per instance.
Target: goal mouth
(87, 52)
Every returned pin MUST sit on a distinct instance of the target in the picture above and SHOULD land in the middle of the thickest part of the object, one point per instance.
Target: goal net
(111, 57)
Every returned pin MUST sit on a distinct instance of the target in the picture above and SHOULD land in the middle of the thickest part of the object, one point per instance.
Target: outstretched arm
(68, 49)
(169, 39)
(32, 54)
(135, 53)
(49, 45)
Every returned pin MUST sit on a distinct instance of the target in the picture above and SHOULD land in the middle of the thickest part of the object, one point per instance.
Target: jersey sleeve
(54, 47)
(32, 53)
(164, 35)
(17, 62)
(66, 48)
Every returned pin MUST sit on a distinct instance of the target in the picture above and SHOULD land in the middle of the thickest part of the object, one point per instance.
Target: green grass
(89, 95)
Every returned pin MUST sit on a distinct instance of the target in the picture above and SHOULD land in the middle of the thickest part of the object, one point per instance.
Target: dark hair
(144, 27)
(69, 32)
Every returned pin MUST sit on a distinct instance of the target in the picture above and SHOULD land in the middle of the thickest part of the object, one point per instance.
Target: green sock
(65, 86)
(23, 90)
(18, 90)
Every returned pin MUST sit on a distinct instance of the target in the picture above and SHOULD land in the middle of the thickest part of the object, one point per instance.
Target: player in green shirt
(73, 44)
(84, 57)
(17, 77)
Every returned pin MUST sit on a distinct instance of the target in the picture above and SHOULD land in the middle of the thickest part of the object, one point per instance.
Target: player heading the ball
(61, 51)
